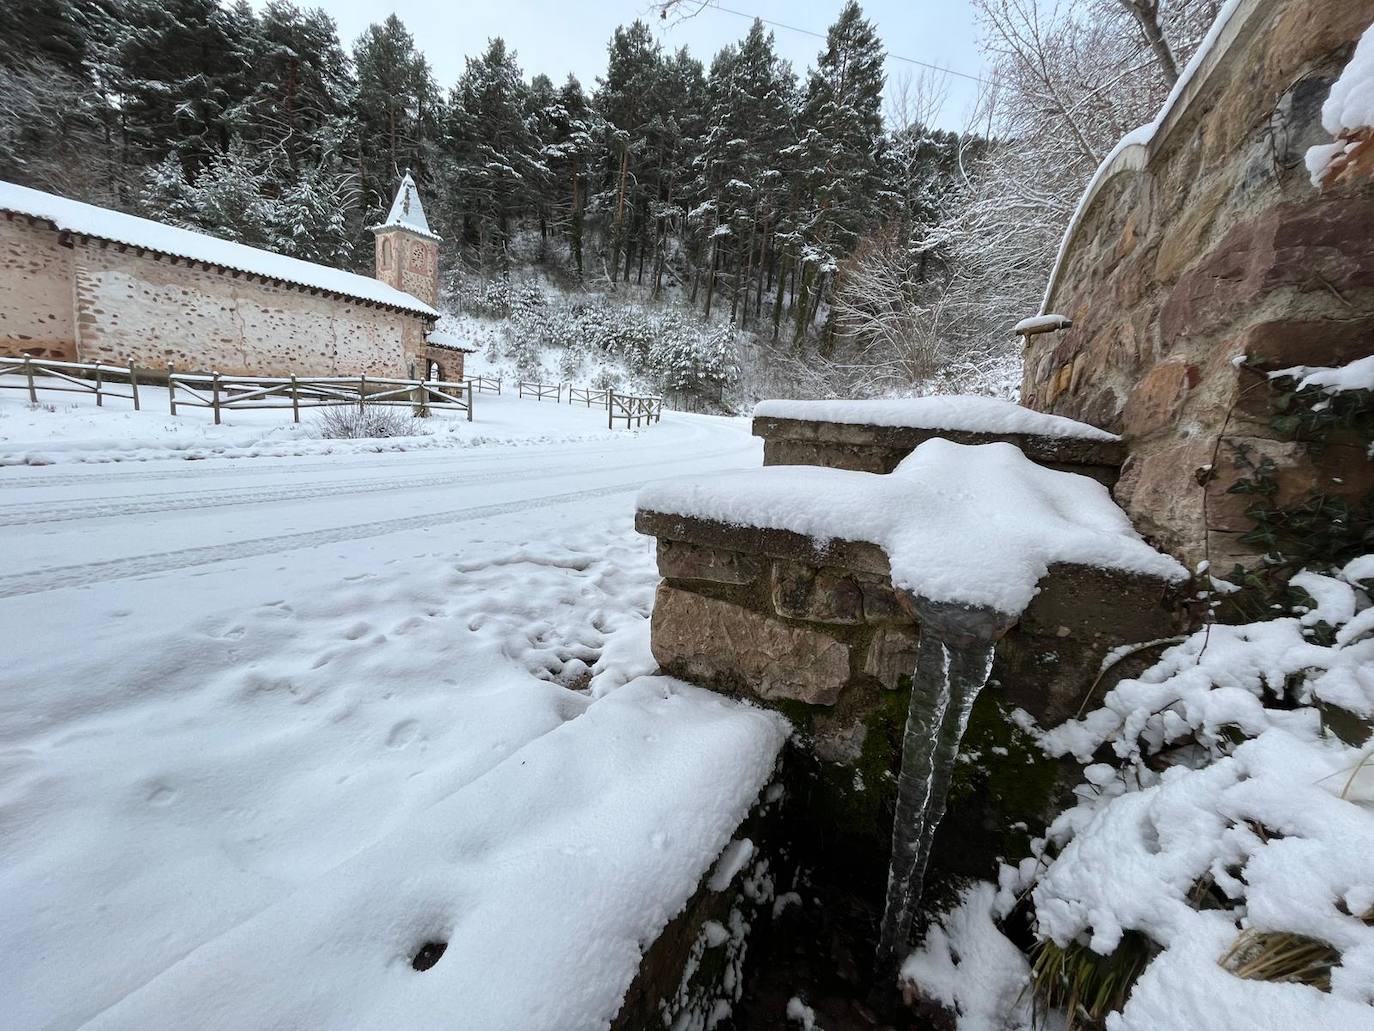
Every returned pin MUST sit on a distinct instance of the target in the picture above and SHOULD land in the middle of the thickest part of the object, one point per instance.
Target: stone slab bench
(874, 436)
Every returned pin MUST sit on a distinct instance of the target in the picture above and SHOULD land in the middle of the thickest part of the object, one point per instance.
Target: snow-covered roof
(407, 211)
(105, 224)
(954, 412)
(438, 338)
(970, 524)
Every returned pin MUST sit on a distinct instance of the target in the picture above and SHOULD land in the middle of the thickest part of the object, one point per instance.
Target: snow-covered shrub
(350, 422)
(1221, 818)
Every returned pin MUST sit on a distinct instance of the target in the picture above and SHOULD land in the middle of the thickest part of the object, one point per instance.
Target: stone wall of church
(94, 302)
(36, 309)
(153, 312)
(1206, 261)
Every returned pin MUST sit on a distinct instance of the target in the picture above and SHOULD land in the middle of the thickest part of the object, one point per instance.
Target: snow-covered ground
(269, 725)
(69, 427)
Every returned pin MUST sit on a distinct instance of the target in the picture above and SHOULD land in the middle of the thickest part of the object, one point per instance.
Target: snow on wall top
(105, 224)
(407, 211)
(965, 413)
(972, 524)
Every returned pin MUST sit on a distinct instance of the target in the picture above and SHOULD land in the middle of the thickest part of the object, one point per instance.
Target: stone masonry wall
(1218, 247)
(93, 302)
(36, 310)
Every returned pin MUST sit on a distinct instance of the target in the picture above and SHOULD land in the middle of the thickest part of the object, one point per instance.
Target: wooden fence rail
(589, 396)
(541, 391)
(101, 380)
(222, 393)
(485, 384)
(633, 409)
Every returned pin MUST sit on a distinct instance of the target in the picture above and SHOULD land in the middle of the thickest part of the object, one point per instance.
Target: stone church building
(84, 283)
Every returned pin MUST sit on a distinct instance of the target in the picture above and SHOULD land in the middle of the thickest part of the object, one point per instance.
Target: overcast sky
(560, 36)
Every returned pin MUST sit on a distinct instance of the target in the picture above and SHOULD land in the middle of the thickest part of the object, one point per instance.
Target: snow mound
(106, 224)
(967, 413)
(621, 812)
(968, 965)
(971, 524)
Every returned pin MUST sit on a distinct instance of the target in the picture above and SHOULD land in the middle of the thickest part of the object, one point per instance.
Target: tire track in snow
(56, 578)
(182, 501)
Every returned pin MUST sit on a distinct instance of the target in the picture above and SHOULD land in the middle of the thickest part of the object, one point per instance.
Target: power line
(710, 5)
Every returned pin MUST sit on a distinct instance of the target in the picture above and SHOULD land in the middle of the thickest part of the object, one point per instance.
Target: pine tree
(398, 110)
(839, 153)
(496, 162)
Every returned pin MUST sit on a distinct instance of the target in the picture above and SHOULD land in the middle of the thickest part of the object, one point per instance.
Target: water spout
(953, 662)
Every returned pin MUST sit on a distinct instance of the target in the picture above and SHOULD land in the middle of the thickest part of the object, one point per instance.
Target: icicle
(953, 662)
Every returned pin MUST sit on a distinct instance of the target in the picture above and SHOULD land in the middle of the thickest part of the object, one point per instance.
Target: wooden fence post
(469, 400)
(295, 400)
(362, 390)
(99, 398)
(133, 383)
(214, 378)
(28, 371)
(171, 388)
(610, 410)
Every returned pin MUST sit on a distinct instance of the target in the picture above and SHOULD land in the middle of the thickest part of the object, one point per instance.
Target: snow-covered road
(228, 682)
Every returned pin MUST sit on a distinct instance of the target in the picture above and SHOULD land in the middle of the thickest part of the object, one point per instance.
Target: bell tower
(407, 252)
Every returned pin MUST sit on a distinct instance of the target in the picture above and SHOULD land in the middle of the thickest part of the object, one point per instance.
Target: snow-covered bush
(1219, 847)
(349, 422)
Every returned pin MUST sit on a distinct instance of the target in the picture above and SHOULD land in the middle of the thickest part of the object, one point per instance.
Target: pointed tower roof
(406, 210)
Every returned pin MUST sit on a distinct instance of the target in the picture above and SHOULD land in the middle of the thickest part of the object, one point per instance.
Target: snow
(1040, 324)
(407, 211)
(438, 338)
(1357, 375)
(800, 1013)
(734, 859)
(967, 413)
(106, 224)
(1225, 775)
(76, 431)
(267, 727)
(1350, 104)
(968, 965)
(969, 524)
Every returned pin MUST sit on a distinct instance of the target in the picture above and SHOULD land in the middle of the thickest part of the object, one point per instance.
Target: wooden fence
(541, 391)
(35, 374)
(632, 409)
(485, 384)
(222, 393)
(588, 397)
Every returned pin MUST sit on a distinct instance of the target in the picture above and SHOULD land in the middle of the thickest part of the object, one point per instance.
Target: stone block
(715, 642)
(818, 595)
(891, 656)
(679, 560)
(881, 605)
(1154, 403)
